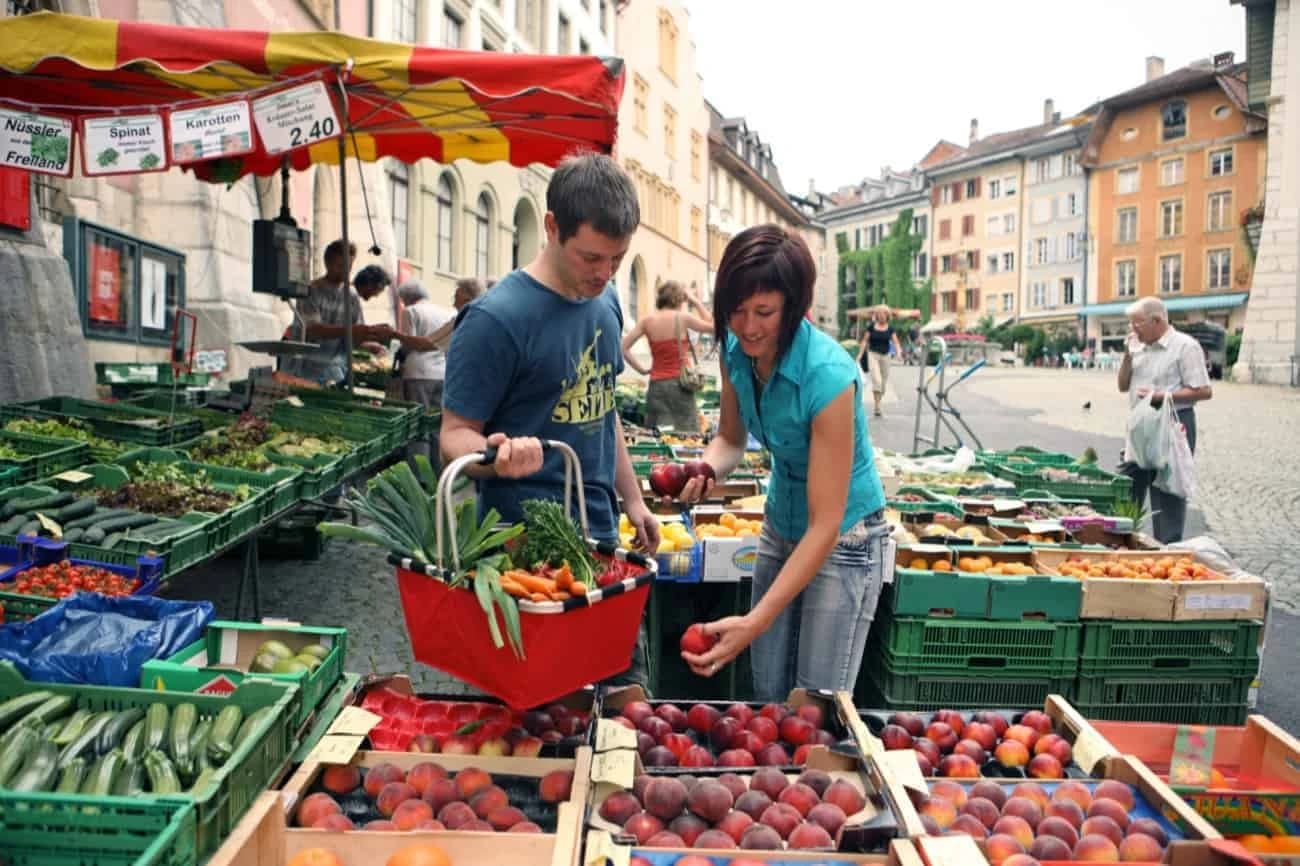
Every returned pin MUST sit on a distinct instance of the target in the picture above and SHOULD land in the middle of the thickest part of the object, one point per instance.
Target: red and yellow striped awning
(403, 101)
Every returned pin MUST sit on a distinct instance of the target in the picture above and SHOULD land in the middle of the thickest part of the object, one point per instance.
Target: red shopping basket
(567, 645)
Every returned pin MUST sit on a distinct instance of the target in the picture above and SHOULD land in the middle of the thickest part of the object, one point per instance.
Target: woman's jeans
(818, 640)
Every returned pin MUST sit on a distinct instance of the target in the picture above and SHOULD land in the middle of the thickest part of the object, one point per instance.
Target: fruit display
(61, 579)
(673, 535)
(415, 724)
(1106, 821)
(730, 526)
(768, 810)
(427, 796)
(1054, 511)
(986, 743)
(417, 854)
(667, 478)
(722, 735)
(274, 657)
(942, 480)
(1175, 568)
(645, 857)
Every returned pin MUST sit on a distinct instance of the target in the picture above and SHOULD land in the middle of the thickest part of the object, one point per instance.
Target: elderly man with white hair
(1167, 365)
(424, 362)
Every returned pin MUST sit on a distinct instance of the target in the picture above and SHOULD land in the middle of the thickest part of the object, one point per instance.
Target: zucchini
(37, 503)
(250, 724)
(103, 776)
(133, 742)
(130, 782)
(50, 731)
(31, 527)
(155, 726)
(221, 738)
(86, 739)
(13, 524)
(205, 778)
(111, 735)
(40, 771)
(73, 535)
(78, 508)
(23, 725)
(128, 521)
(162, 775)
(184, 718)
(15, 753)
(15, 708)
(96, 517)
(94, 535)
(72, 777)
(72, 726)
(112, 541)
(54, 707)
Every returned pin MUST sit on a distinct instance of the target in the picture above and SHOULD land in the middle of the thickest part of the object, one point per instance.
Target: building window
(640, 100)
(446, 203)
(127, 290)
(945, 230)
(482, 236)
(1037, 295)
(1040, 251)
(920, 266)
(993, 227)
(1173, 118)
(1071, 165)
(670, 132)
(1126, 180)
(697, 148)
(1042, 170)
(1009, 224)
(563, 36)
(1220, 269)
(945, 194)
(1171, 218)
(667, 44)
(967, 226)
(920, 225)
(995, 188)
(696, 218)
(399, 196)
(972, 299)
(949, 302)
(1067, 291)
(1171, 274)
(528, 20)
(972, 188)
(404, 20)
(1126, 225)
(1171, 172)
(945, 264)
(1072, 204)
(1071, 246)
(1041, 211)
(1219, 206)
(994, 260)
(1008, 302)
(1008, 262)
(1009, 185)
(453, 31)
(1221, 162)
(1126, 279)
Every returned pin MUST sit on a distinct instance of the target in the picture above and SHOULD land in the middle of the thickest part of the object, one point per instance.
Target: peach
(764, 728)
(488, 800)
(503, 819)
(740, 713)
(334, 821)
(736, 758)
(931, 826)
(1032, 791)
(809, 836)
(710, 800)
(439, 793)
(1021, 860)
(970, 825)
(926, 746)
(753, 803)
(957, 766)
(642, 826)
(773, 755)
(982, 810)
(829, 816)
(1025, 809)
(714, 839)
(909, 722)
(952, 719)
(410, 813)
(847, 797)
(1140, 848)
(994, 720)
(818, 780)
(895, 737)
(723, 731)
(1050, 848)
(380, 824)
(659, 756)
(770, 781)
(1097, 848)
(1149, 827)
(688, 827)
(525, 827)
(991, 791)
(1102, 826)
(496, 747)
(1038, 720)
(942, 811)
(665, 797)
(1056, 746)
(665, 839)
(655, 727)
(697, 756)
(1067, 810)
(1011, 753)
(1022, 734)
(639, 785)
(983, 733)
(1109, 789)
(796, 730)
(470, 781)
(734, 824)
(340, 778)
(393, 795)
(678, 744)
(636, 711)
(556, 786)
(971, 749)
(781, 817)
(1045, 767)
(1017, 828)
(456, 815)
(734, 784)
(998, 848)
(1060, 828)
(316, 806)
(380, 775)
(802, 797)
(701, 717)
(950, 791)
(760, 837)
(673, 715)
(747, 741)
(619, 807)
(433, 824)
(423, 774)
(1111, 809)
(942, 735)
(812, 714)
(1076, 792)
(924, 765)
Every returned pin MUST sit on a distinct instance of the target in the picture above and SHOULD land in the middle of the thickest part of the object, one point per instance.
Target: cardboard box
(726, 560)
(601, 850)
(1259, 761)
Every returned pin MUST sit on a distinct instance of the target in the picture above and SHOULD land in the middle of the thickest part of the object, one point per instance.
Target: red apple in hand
(668, 479)
(699, 469)
(695, 641)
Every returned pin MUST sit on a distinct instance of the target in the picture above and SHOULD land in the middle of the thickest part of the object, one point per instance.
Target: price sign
(36, 142)
(335, 749)
(209, 132)
(296, 117)
(610, 735)
(122, 144)
(354, 720)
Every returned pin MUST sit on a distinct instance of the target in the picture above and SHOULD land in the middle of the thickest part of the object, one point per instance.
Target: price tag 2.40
(296, 117)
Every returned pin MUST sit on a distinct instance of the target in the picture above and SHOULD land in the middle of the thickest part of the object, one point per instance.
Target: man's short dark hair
(371, 275)
(335, 250)
(765, 258)
(592, 188)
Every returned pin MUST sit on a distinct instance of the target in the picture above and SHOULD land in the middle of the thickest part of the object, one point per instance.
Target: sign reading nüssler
(36, 142)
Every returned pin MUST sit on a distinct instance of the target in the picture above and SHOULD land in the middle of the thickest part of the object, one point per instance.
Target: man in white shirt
(424, 361)
(1168, 365)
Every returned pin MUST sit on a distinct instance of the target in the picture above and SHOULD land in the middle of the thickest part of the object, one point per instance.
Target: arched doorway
(635, 279)
(527, 235)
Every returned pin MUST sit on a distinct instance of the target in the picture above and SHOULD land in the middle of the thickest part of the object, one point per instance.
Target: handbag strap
(677, 336)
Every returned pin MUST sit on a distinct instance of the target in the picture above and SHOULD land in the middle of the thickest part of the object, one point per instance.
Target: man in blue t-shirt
(536, 358)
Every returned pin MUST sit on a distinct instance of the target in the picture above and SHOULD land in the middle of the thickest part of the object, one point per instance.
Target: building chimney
(1049, 110)
(1224, 60)
(974, 129)
(812, 187)
(1155, 68)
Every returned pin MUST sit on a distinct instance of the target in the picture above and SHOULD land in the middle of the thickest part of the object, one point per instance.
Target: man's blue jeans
(818, 640)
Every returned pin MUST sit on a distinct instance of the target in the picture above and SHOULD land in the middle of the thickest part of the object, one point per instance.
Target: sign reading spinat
(36, 142)
(121, 144)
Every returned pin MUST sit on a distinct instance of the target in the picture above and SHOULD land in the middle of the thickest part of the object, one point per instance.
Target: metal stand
(251, 575)
(944, 412)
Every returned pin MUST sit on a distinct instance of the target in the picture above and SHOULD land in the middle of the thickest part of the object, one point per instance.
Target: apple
(695, 641)
(668, 479)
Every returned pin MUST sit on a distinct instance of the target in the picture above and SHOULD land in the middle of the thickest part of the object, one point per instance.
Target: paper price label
(355, 721)
(73, 476)
(615, 768)
(611, 735)
(1090, 749)
(601, 850)
(904, 768)
(296, 117)
(123, 143)
(1215, 601)
(336, 749)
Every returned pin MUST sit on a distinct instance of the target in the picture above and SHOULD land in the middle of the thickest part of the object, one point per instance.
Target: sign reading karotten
(212, 131)
(117, 145)
(296, 117)
(36, 142)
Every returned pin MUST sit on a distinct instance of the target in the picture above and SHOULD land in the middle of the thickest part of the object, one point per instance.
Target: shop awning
(403, 101)
(1174, 305)
(936, 325)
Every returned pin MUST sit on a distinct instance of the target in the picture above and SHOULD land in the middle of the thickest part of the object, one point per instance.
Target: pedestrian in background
(1164, 364)
(424, 364)
(878, 343)
(670, 398)
(332, 307)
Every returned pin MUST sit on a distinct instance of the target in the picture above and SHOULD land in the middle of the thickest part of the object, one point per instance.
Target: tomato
(64, 578)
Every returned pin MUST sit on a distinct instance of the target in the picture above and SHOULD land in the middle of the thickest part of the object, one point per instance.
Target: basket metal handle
(486, 457)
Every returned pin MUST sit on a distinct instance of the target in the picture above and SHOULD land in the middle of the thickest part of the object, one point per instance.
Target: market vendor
(330, 306)
(537, 357)
(822, 550)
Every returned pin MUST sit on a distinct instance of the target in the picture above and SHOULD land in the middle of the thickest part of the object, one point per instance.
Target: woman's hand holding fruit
(706, 648)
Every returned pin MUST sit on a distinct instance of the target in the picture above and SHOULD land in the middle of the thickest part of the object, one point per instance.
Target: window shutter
(979, 182)
(975, 261)
(934, 196)
(934, 264)
(956, 192)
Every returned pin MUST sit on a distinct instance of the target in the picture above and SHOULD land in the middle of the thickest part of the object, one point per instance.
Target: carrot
(578, 588)
(513, 588)
(530, 581)
(539, 596)
(563, 577)
(560, 596)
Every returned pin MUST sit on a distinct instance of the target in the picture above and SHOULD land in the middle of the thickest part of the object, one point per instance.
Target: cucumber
(79, 508)
(250, 724)
(16, 708)
(221, 738)
(184, 718)
(128, 521)
(94, 535)
(72, 726)
(72, 777)
(31, 527)
(86, 739)
(111, 735)
(15, 754)
(133, 742)
(40, 771)
(103, 776)
(130, 782)
(73, 535)
(36, 503)
(100, 514)
(155, 726)
(112, 540)
(13, 524)
(162, 775)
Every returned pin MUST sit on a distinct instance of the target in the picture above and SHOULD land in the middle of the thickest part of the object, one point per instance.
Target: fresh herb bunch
(553, 538)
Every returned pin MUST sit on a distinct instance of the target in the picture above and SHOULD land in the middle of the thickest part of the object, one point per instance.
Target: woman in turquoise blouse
(821, 552)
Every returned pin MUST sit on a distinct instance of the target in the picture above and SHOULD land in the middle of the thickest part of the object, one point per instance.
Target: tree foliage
(882, 274)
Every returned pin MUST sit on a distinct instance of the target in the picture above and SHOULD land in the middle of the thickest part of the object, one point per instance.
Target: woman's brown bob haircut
(765, 258)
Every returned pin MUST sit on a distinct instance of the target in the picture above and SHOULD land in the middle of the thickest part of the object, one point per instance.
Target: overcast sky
(840, 88)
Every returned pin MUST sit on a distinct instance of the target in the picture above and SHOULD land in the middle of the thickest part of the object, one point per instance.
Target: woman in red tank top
(668, 330)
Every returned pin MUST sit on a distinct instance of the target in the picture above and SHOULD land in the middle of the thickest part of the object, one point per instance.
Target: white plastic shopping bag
(1148, 435)
(1178, 476)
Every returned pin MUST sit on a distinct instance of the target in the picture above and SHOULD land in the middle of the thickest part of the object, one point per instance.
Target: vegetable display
(64, 578)
(166, 489)
(65, 429)
(8, 453)
(246, 443)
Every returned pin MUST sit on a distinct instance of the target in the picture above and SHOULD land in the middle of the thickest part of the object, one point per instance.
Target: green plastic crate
(255, 763)
(377, 441)
(1053, 599)
(318, 474)
(1204, 699)
(1030, 648)
(880, 685)
(1026, 455)
(1100, 488)
(42, 456)
(119, 421)
(161, 401)
(1124, 647)
(55, 830)
(917, 592)
(341, 696)
(651, 449)
(8, 476)
(408, 412)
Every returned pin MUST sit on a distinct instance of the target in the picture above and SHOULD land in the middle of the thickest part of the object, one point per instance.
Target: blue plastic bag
(101, 640)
